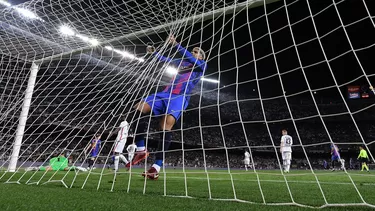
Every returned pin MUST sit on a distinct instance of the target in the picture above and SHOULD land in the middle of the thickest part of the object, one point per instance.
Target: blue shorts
(94, 154)
(164, 103)
(335, 158)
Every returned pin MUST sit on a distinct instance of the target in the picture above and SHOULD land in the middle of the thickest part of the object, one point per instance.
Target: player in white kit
(286, 150)
(247, 159)
(120, 143)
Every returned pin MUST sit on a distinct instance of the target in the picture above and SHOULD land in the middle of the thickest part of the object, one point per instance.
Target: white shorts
(247, 161)
(119, 145)
(287, 155)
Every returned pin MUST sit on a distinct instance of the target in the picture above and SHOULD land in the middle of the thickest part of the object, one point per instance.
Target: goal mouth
(276, 112)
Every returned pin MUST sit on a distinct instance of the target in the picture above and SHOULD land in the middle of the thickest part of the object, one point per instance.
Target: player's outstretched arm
(185, 53)
(151, 50)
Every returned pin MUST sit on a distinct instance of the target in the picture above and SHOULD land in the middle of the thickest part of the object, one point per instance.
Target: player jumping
(169, 103)
(286, 150)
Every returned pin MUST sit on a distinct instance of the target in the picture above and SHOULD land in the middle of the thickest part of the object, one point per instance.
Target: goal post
(23, 117)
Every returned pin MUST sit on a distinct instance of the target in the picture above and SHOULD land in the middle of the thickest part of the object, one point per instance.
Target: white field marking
(276, 181)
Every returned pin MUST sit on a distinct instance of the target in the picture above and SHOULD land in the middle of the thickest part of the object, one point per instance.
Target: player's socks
(156, 166)
(363, 166)
(159, 155)
(91, 163)
(117, 160)
(287, 165)
(123, 159)
(167, 142)
(79, 168)
(139, 125)
(141, 145)
(366, 167)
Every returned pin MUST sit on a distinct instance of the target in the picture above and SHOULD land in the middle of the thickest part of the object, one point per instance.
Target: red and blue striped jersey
(190, 70)
(95, 146)
(335, 150)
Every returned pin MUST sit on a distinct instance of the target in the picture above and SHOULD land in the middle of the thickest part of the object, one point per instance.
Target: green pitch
(93, 191)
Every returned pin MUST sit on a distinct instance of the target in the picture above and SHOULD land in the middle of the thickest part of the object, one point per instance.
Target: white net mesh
(271, 65)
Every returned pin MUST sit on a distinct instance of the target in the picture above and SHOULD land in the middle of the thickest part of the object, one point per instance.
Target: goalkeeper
(170, 103)
(59, 163)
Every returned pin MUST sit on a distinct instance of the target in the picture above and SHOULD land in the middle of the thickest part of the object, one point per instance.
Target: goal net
(73, 70)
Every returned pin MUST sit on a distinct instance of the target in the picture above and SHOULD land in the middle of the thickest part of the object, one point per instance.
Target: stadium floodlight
(124, 53)
(94, 42)
(82, 37)
(108, 48)
(66, 30)
(26, 13)
(171, 70)
(140, 59)
(7, 4)
(210, 80)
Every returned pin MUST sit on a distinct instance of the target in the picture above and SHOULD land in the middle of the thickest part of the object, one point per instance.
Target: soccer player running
(169, 104)
(94, 149)
(247, 159)
(363, 158)
(286, 150)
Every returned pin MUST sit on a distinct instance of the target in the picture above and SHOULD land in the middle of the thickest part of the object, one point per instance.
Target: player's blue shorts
(335, 157)
(94, 154)
(164, 103)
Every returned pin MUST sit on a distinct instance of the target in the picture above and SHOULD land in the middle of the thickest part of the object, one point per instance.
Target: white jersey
(286, 143)
(247, 155)
(122, 136)
(247, 158)
(123, 132)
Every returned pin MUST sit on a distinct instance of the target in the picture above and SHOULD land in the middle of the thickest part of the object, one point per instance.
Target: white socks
(117, 160)
(286, 164)
(141, 149)
(156, 167)
(123, 159)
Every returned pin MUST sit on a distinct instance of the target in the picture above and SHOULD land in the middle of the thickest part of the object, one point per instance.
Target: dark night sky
(342, 60)
(345, 68)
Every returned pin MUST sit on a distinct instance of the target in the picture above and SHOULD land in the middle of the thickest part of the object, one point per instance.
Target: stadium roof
(36, 35)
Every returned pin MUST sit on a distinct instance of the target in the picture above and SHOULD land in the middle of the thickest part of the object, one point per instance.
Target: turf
(196, 190)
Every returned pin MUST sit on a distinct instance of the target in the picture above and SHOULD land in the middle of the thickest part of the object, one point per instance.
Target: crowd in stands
(54, 126)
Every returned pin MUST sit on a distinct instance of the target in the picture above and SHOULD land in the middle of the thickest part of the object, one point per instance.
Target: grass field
(272, 189)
